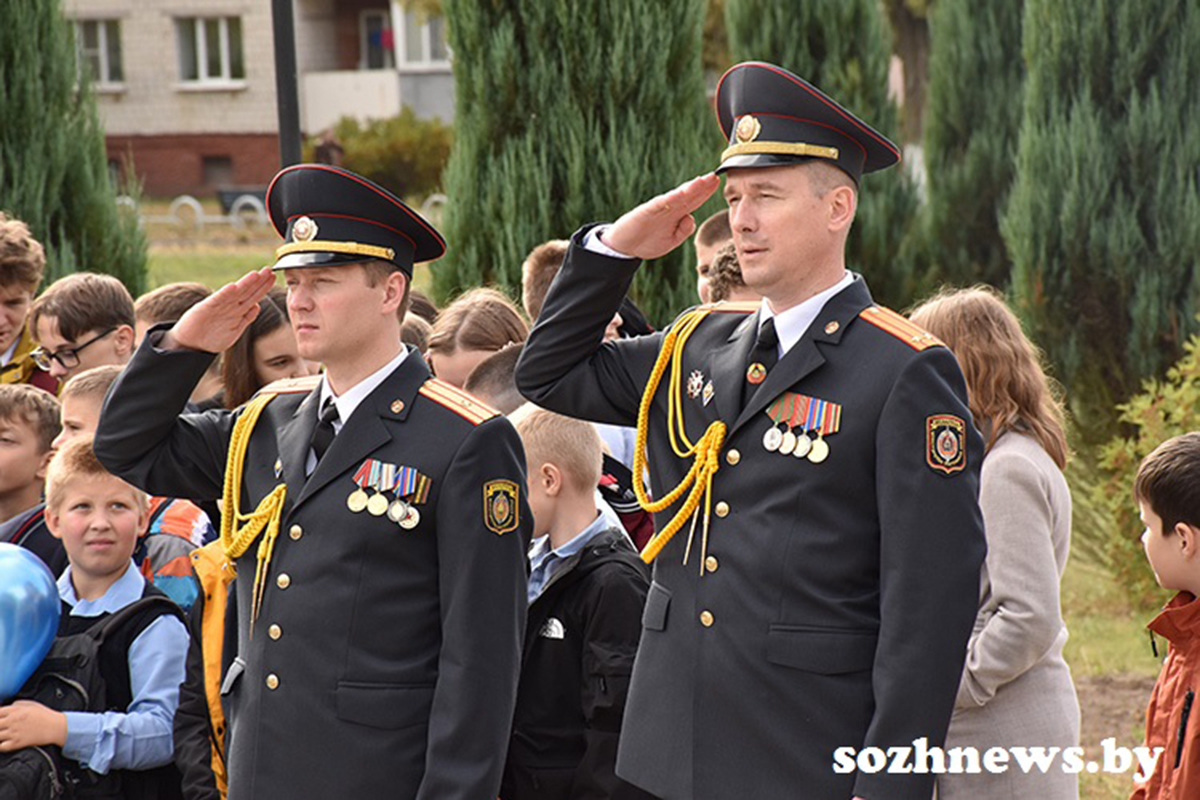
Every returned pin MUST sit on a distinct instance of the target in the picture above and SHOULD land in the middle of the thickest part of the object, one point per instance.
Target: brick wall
(170, 165)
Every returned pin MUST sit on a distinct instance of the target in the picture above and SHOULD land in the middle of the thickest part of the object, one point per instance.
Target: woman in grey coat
(1016, 689)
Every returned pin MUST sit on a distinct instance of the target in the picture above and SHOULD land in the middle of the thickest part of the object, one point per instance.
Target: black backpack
(69, 679)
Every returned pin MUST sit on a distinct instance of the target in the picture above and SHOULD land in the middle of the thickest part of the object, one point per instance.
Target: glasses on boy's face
(68, 357)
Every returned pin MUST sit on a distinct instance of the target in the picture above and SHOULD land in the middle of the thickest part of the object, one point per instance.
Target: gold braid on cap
(266, 517)
(705, 451)
(350, 248)
(780, 149)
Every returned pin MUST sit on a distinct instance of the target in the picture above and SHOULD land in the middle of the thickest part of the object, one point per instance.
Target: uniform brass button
(711, 564)
(272, 681)
(722, 509)
(296, 532)
(733, 457)
(274, 631)
(706, 619)
(283, 581)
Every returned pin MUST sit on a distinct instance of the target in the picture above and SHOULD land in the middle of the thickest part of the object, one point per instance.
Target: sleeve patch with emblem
(501, 506)
(946, 443)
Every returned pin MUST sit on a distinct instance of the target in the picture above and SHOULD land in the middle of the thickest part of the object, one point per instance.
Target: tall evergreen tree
(1103, 223)
(842, 47)
(569, 112)
(53, 168)
(971, 125)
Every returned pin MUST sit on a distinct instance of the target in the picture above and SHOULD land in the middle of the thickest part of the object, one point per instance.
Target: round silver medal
(788, 443)
(772, 439)
(411, 521)
(803, 445)
(398, 510)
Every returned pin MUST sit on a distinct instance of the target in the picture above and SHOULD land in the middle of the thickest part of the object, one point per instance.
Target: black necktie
(763, 356)
(323, 434)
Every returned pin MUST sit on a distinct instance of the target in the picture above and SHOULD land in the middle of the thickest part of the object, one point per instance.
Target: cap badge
(748, 128)
(304, 230)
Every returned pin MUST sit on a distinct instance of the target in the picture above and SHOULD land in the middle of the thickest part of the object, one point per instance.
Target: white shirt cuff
(595, 244)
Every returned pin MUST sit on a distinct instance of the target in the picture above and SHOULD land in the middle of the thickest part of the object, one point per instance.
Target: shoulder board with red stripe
(292, 385)
(465, 405)
(739, 307)
(901, 327)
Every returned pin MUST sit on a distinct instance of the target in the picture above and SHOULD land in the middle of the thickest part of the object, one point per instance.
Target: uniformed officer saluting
(377, 521)
(816, 581)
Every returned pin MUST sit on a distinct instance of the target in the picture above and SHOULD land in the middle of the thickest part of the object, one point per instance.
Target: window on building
(376, 45)
(218, 170)
(210, 49)
(99, 45)
(424, 40)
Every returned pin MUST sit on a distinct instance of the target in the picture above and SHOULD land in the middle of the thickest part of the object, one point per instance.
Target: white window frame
(385, 16)
(203, 80)
(424, 63)
(103, 81)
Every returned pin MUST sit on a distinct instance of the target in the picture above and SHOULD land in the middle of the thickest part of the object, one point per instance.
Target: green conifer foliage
(842, 47)
(567, 113)
(975, 84)
(1103, 223)
(53, 168)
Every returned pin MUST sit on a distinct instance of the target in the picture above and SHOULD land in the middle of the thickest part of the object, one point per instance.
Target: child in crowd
(82, 321)
(265, 352)
(1167, 491)
(725, 282)
(28, 424)
(98, 518)
(477, 324)
(713, 234)
(420, 305)
(167, 304)
(416, 331)
(22, 261)
(586, 591)
(176, 527)
(494, 380)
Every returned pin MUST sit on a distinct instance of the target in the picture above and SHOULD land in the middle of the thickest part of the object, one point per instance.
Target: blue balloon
(29, 610)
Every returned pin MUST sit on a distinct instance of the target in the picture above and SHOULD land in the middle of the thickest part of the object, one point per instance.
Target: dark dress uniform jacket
(839, 596)
(394, 654)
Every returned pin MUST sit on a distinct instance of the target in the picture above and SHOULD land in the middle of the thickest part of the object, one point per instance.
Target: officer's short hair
(377, 271)
(1168, 480)
(169, 303)
(572, 445)
(37, 408)
(22, 259)
(714, 230)
(92, 384)
(494, 381)
(537, 273)
(76, 461)
(82, 302)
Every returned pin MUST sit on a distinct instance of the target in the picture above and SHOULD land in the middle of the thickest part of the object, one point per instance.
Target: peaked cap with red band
(329, 216)
(771, 117)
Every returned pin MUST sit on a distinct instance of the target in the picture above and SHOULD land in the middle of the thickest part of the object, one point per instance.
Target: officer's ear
(395, 288)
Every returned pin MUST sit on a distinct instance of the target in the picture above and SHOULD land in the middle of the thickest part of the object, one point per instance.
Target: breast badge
(695, 384)
(500, 506)
(945, 443)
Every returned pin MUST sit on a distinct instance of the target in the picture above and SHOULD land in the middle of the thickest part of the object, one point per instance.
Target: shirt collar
(125, 590)
(349, 400)
(541, 546)
(792, 324)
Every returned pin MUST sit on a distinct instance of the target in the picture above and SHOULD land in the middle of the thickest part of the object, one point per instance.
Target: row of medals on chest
(809, 415)
(402, 482)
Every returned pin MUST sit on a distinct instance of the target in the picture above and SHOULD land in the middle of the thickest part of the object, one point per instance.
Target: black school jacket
(836, 607)
(580, 641)
(384, 662)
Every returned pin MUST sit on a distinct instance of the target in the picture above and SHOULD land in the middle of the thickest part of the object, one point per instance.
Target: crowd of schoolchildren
(161, 731)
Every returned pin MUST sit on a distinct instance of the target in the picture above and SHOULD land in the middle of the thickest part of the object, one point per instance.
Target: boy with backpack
(117, 732)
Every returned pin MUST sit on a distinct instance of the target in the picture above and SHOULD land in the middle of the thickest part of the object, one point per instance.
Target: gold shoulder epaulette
(465, 405)
(292, 385)
(739, 307)
(901, 327)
